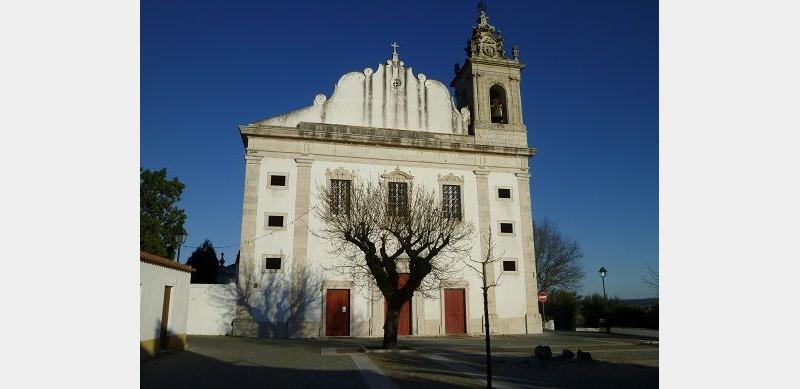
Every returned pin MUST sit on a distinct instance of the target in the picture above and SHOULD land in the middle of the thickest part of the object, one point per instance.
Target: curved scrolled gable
(389, 97)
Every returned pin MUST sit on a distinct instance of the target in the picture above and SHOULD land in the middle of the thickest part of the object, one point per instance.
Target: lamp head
(602, 272)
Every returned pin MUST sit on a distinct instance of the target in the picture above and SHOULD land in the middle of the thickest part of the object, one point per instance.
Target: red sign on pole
(542, 297)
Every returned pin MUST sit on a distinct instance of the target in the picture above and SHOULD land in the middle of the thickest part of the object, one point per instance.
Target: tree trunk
(488, 338)
(390, 326)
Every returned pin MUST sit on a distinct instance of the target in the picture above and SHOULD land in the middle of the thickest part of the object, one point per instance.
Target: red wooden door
(337, 312)
(404, 322)
(454, 311)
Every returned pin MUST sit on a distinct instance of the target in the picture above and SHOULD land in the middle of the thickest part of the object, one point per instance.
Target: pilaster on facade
(533, 318)
(484, 229)
(243, 323)
(302, 208)
(247, 260)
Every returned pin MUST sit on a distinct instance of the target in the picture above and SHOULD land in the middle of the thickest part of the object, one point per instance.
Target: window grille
(451, 201)
(340, 190)
(398, 198)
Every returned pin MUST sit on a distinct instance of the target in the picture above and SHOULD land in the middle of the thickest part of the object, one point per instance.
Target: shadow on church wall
(280, 304)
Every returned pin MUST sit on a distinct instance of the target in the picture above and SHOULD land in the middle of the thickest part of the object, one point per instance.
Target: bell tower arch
(488, 85)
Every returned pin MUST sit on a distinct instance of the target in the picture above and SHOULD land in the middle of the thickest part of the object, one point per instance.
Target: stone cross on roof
(395, 56)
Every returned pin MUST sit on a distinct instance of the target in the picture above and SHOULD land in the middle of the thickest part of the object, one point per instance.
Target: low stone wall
(212, 308)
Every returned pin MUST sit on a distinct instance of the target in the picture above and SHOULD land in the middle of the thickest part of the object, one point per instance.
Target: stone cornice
(482, 173)
(304, 161)
(253, 158)
(497, 62)
(336, 133)
(523, 176)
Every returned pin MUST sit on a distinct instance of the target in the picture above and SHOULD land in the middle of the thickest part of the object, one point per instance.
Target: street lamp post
(603, 273)
(179, 239)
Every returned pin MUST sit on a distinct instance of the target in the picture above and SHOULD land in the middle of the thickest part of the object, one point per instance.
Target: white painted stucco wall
(152, 280)
(212, 308)
(510, 293)
(273, 200)
(509, 246)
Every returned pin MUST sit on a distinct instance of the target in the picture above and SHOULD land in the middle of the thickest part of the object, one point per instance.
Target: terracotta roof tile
(161, 261)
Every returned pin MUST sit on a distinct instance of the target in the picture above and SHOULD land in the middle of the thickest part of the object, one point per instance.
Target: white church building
(389, 123)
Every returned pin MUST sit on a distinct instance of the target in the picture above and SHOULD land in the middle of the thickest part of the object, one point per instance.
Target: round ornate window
(396, 82)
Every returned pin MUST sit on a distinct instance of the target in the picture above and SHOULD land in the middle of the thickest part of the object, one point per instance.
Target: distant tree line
(559, 273)
(569, 310)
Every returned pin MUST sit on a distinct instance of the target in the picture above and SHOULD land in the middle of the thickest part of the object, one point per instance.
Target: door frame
(456, 285)
(166, 310)
(336, 285)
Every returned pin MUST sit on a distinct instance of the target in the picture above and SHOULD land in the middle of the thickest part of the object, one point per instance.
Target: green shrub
(628, 315)
(625, 316)
(592, 307)
(562, 306)
(651, 317)
(567, 309)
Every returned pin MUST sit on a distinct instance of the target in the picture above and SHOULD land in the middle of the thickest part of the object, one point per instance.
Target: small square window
(274, 221)
(272, 263)
(506, 228)
(509, 265)
(277, 180)
(504, 193)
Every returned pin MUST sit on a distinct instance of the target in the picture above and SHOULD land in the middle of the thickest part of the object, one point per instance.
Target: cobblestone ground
(222, 361)
(456, 362)
(618, 362)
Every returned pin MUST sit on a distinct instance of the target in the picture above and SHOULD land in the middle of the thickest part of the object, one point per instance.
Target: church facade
(387, 123)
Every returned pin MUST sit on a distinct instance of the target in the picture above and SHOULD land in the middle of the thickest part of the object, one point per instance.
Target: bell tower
(488, 85)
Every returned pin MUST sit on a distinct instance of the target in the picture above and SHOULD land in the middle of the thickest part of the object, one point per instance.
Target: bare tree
(481, 267)
(378, 233)
(651, 278)
(557, 258)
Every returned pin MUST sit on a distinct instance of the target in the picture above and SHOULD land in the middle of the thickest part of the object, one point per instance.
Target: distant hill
(641, 302)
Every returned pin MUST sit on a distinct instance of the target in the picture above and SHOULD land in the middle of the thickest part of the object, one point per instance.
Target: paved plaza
(453, 362)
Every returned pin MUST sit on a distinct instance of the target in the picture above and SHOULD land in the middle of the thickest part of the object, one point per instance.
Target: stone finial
(486, 41)
(515, 53)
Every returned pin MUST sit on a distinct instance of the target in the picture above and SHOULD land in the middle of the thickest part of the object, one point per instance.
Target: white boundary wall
(212, 308)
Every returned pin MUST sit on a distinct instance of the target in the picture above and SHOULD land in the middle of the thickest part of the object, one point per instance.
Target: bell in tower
(488, 85)
(497, 99)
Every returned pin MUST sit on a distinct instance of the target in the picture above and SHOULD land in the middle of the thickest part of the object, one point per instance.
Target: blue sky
(590, 102)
